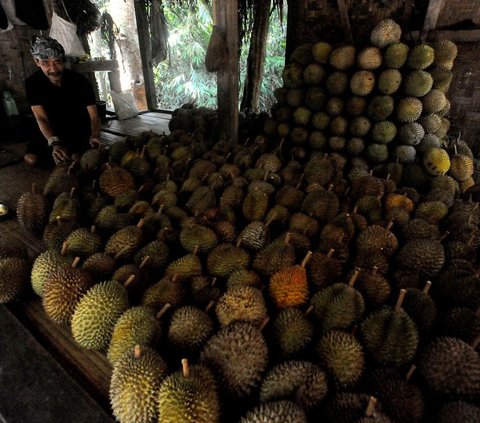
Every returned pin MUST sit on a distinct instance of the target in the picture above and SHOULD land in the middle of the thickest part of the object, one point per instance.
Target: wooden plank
(343, 9)
(431, 17)
(92, 366)
(145, 53)
(96, 66)
(465, 36)
(407, 14)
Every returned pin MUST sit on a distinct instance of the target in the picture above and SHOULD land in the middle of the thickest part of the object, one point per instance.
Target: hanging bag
(65, 33)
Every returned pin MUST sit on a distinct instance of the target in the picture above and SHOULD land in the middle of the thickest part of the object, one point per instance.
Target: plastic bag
(66, 34)
(124, 105)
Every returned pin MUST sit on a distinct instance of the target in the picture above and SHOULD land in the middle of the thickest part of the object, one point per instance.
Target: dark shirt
(65, 106)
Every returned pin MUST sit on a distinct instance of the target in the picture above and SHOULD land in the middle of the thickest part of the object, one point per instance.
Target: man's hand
(59, 154)
(95, 142)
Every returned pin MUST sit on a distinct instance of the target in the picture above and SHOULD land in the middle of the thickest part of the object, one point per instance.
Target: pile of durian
(241, 284)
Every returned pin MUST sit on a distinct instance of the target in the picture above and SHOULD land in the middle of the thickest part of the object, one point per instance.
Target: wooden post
(431, 17)
(407, 14)
(145, 52)
(343, 9)
(227, 79)
(256, 57)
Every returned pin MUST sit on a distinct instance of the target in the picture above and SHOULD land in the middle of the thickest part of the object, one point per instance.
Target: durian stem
(140, 223)
(401, 296)
(354, 277)
(204, 177)
(75, 262)
(372, 402)
(129, 281)
(142, 187)
(142, 154)
(355, 209)
(390, 224)
(120, 253)
(246, 142)
(330, 188)
(455, 146)
(388, 176)
(64, 247)
(475, 342)
(410, 372)
(93, 229)
(72, 191)
(265, 176)
(70, 168)
(137, 351)
(94, 183)
(374, 270)
(239, 242)
(214, 281)
(444, 236)
(34, 188)
(185, 368)
(306, 259)
(347, 191)
(264, 323)
(144, 262)
(163, 310)
(330, 253)
(209, 306)
(309, 310)
(196, 249)
(471, 239)
(287, 237)
(427, 287)
(272, 218)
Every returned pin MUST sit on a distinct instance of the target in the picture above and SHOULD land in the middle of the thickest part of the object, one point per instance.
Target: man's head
(49, 56)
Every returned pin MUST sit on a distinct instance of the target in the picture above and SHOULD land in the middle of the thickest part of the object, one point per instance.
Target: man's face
(52, 68)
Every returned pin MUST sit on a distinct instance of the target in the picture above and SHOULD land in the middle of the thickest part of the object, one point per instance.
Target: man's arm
(95, 126)
(59, 153)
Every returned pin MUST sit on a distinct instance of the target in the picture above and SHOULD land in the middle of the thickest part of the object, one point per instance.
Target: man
(63, 103)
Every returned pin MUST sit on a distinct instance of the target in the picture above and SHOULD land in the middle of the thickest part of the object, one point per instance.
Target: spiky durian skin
(238, 355)
(342, 355)
(116, 180)
(192, 236)
(391, 337)
(460, 322)
(14, 273)
(276, 412)
(95, 315)
(189, 329)
(395, 55)
(82, 242)
(458, 411)
(273, 257)
(185, 267)
(32, 211)
(134, 386)
(124, 242)
(421, 308)
(189, 399)
(164, 291)
(243, 303)
(44, 265)
(303, 380)
(386, 32)
(409, 109)
(289, 287)
(424, 255)
(225, 258)
(450, 366)
(292, 331)
(137, 325)
(63, 290)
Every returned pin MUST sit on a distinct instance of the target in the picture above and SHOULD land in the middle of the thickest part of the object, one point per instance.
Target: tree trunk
(256, 58)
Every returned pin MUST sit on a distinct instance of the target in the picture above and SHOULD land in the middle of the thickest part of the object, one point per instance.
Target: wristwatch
(53, 141)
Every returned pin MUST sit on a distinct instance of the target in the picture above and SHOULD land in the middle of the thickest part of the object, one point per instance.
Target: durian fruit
(420, 57)
(63, 290)
(45, 264)
(385, 32)
(389, 81)
(409, 109)
(431, 123)
(346, 407)
(204, 291)
(193, 236)
(134, 385)
(243, 303)
(342, 356)
(362, 82)
(445, 53)
(425, 255)
(432, 211)
(456, 411)
(314, 74)
(321, 51)
(336, 83)
(244, 277)
(291, 332)
(189, 396)
(461, 167)
(116, 180)
(369, 58)
(436, 161)
(189, 329)
(377, 153)
(14, 275)
(379, 108)
(56, 232)
(276, 412)
(342, 58)
(383, 132)
(390, 335)
(417, 83)
(292, 75)
(373, 286)
(321, 204)
(166, 291)
(421, 308)
(109, 221)
(226, 258)
(401, 400)
(238, 355)
(200, 200)
(158, 253)
(289, 286)
(60, 180)
(125, 242)
(450, 366)
(96, 313)
(185, 266)
(338, 306)
(411, 133)
(324, 268)
(274, 256)
(460, 322)
(442, 78)
(91, 160)
(136, 326)
(83, 242)
(255, 206)
(302, 381)
(434, 101)
(255, 235)
(32, 211)
(395, 55)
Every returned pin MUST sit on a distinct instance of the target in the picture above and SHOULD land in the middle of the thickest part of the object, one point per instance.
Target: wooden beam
(431, 17)
(226, 13)
(343, 9)
(464, 35)
(145, 53)
(407, 14)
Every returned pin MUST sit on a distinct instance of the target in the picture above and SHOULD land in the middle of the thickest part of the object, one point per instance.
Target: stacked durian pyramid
(246, 285)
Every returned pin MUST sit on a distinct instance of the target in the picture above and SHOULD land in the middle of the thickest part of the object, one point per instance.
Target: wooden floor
(90, 369)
